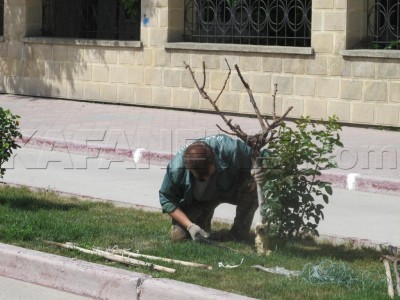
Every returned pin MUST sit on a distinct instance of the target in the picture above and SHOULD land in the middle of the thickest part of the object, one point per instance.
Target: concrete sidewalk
(369, 160)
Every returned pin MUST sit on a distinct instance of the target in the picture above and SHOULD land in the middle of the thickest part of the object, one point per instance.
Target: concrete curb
(360, 183)
(357, 243)
(96, 281)
(350, 181)
(66, 274)
(150, 157)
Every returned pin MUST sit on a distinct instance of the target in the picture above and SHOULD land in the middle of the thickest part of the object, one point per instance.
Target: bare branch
(201, 89)
(266, 120)
(252, 101)
(271, 127)
(226, 80)
(280, 119)
(268, 132)
(237, 131)
(224, 131)
(274, 101)
(204, 75)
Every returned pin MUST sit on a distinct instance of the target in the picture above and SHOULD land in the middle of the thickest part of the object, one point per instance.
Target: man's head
(200, 160)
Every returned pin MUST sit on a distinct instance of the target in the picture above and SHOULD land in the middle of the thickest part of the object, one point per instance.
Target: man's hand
(258, 174)
(195, 230)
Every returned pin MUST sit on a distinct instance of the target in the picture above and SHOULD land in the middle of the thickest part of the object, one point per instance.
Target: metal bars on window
(256, 22)
(1, 17)
(91, 19)
(384, 23)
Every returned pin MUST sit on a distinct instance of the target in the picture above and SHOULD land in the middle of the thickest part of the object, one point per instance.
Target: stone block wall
(359, 86)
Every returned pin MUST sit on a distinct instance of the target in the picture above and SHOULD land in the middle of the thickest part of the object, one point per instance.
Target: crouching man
(201, 176)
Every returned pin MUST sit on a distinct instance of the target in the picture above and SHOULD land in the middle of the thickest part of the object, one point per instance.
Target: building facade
(327, 56)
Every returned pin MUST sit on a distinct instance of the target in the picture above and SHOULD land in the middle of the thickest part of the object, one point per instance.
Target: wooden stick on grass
(113, 257)
(386, 263)
(137, 255)
(396, 273)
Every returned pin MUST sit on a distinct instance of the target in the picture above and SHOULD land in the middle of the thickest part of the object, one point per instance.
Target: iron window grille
(1, 17)
(90, 19)
(384, 24)
(255, 22)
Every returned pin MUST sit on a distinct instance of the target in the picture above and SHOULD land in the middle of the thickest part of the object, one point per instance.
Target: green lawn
(27, 218)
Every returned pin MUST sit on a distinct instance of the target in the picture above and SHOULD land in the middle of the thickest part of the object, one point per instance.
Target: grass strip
(27, 218)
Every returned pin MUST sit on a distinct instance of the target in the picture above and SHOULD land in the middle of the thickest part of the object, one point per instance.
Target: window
(1, 17)
(384, 24)
(255, 22)
(90, 19)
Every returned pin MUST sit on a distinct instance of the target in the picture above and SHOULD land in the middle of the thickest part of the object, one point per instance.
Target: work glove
(195, 230)
(258, 175)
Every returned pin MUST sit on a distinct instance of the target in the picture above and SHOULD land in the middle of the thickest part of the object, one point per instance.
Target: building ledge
(240, 48)
(371, 53)
(81, 42)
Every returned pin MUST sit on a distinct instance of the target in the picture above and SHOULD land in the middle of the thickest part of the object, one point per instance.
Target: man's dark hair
(198, 158)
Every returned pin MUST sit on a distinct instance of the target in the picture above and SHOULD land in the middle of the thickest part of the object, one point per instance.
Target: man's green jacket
(233, 165)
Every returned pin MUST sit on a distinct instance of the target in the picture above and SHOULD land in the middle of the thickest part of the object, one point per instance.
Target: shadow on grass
(24, 199)
(311, 249)
(225, 235)
(305, 248)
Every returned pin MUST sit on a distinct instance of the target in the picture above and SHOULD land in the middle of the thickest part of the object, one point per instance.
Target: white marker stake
(137, 155)
(351, 181)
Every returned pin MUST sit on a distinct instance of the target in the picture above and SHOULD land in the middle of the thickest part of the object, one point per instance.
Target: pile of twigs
(129, 258)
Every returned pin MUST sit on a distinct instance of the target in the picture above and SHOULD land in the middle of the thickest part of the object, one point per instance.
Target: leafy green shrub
(291, 188)
(8, 133)
(394, 44)
(132, 7)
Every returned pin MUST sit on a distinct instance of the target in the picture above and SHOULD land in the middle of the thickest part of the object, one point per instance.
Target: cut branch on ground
(127, 253)
(112, 257)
